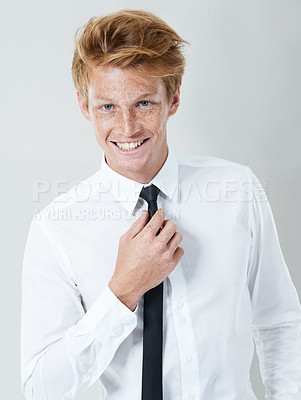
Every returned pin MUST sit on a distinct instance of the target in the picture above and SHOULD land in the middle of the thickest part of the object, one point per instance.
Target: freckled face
(129, 113)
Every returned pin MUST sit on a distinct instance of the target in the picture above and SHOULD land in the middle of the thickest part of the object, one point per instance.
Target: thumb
(138, 225)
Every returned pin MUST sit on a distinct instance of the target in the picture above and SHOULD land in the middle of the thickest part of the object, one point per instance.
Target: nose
(127, 125)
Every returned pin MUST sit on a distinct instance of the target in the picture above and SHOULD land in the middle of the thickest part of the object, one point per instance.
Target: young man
(94, 267)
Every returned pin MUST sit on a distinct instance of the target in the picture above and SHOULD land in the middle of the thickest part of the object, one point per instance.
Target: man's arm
(275, 305)
(64, 349)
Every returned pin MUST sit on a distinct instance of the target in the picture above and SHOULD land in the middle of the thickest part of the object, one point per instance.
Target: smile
(129, 145)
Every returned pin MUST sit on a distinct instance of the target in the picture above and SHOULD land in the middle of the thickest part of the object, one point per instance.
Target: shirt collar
(126, 191)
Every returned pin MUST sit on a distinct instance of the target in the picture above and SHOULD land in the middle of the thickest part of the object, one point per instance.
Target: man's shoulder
(214, 176)
(212, 164)
(79, 193)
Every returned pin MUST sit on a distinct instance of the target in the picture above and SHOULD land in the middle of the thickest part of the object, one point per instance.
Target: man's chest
(215, 241)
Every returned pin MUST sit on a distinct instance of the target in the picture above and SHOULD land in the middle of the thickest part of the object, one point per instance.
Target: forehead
(109, 80)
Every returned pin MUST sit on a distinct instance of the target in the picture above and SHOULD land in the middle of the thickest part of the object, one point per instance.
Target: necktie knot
(150, 195)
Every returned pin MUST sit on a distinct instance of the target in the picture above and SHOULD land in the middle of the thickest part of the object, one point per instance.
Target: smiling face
(129, 113)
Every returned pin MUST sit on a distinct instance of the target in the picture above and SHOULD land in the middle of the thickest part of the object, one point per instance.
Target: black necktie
(153, 323)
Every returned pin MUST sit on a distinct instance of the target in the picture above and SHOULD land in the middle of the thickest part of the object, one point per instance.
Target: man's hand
(145, 259)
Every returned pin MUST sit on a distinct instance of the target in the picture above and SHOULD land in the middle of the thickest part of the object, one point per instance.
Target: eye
(107, 107)
(145, 103)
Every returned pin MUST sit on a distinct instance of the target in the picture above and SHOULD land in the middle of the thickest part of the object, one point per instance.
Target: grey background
(240, 101)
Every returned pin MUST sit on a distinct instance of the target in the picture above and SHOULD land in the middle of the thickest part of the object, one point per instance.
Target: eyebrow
(138, 98)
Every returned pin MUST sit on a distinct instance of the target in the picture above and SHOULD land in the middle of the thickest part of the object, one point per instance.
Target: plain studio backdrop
(241, 100)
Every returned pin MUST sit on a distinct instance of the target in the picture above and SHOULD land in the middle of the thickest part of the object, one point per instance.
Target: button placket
(185, 337)
(191, 396)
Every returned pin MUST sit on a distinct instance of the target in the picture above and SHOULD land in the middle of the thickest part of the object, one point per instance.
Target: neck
(143, 175)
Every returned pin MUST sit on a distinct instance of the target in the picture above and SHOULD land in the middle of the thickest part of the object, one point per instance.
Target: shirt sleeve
(64, 349)
(276, 313)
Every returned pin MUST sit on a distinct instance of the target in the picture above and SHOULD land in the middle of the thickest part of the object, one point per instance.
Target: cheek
(101, 125)
(154, 120)
(100, 120)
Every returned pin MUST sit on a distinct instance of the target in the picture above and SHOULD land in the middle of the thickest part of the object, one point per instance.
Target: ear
(175, 102)
(82, 106)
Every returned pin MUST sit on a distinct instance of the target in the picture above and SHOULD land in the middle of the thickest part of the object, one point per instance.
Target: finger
(178, 254)
(175, 241)
(156, 222)
(169, 229)
(138, 225)
(164, 223)
(161, 227)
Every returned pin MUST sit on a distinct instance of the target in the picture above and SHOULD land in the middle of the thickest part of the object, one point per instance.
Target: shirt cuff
(109, 317)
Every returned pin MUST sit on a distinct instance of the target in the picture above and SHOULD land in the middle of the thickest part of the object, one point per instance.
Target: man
(92, 258)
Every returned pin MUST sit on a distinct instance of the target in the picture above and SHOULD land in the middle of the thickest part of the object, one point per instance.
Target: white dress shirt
(231, 285)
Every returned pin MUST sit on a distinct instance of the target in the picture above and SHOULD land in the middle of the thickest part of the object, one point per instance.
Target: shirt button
(126, 322)
(183, 321)
(180, 304)
(189, 359)
(118, 331)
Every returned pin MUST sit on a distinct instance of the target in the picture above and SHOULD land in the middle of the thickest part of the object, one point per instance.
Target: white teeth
(129, 146)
